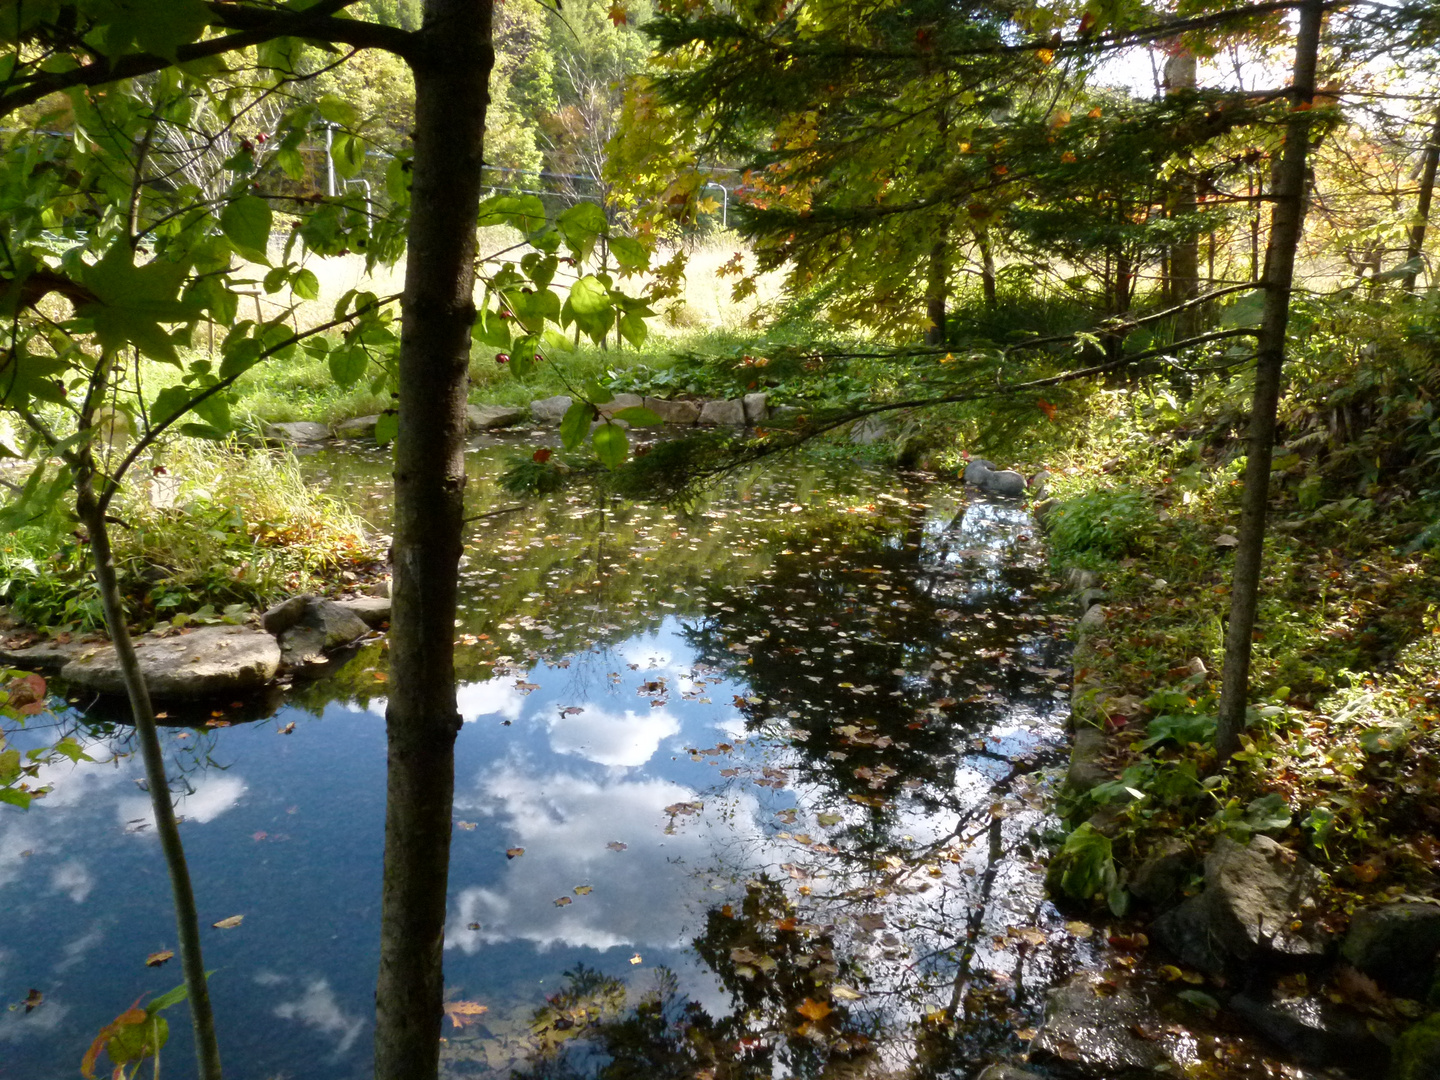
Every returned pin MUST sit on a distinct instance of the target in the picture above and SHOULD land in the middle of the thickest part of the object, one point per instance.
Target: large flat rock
(489, 417)
(205, 662)
(1100, 1031)
(305, 432)
(46, 657)
(685, 413)
(550, 410)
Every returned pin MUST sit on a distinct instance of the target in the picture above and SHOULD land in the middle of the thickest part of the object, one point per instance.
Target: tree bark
(987, 269)
(937, 286)
(1286, 222)
(1415, 250)
(452, 72)
(187, 924)
(1180, 77)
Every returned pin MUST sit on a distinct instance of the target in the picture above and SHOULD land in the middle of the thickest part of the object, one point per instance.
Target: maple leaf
(813, 1010)
(462, 1013)
(617, 14)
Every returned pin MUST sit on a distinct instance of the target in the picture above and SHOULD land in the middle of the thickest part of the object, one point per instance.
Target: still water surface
(752, 790)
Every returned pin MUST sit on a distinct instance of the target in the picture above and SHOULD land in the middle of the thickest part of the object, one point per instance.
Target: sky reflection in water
(814, 695)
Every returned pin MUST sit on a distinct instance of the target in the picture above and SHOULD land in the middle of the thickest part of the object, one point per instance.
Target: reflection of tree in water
(892, 919)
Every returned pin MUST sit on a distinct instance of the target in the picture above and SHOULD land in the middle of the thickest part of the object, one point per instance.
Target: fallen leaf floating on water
(33, 999)
(684, 808)
(514, 852)
(230, 923)
(464, 1012)
(288, 729)
(472, 926)
(584, 890)
(636, 959)
(155, 959)
(562, 901)
(468, 826)
(616, 845)
(813, 1010)
(845, 993)
(1079, 929)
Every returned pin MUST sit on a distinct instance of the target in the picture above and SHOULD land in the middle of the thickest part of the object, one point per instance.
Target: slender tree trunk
(1416, 248)
(937, 285)
(987, 268)
(187, 922)
(1286, 222)
(452, 71)
(1180, 77)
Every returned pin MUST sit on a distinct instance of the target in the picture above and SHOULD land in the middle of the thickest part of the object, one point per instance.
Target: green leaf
(387, 427)
(305, 285)
(611, 445)
(575, 423)
(203, 431)
(168, 403)
(589, 306)
(1267, 813)
(246, 221)
(15, 797)
(348, 153)
(597, 394)
(629, 253)
(134, 300)
(581, 226)
(490, 329)
(169, 998)
(337, 110)
(639, 416)
(347, 365)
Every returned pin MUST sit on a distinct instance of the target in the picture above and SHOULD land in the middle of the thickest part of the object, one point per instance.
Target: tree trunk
(1286, 222)
(937, 285)
(1415, 250)
(452, 71)
(1185, 255)
(187, 924)
(987, 269)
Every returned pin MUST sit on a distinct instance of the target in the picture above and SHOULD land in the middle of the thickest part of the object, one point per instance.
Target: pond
(753, 789)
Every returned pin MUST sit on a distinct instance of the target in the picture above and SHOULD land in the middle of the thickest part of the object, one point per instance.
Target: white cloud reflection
(318, 1008)
(610, 738)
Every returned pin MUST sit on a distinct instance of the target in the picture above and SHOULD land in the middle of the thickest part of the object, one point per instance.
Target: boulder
(285, 614)
(204, 662)
(46, 657)
(869, 430)
(723, 412)
(488, 417)
(1318, 1033)
(621, 401)
(686, 413)
(550, 410)
(755, 408)
(1080, 580)
(1259, 904)
(1092, 621)
(300, 431)
(373, 610)
(1085, 770)
(984, 475)
(1005, 1071)
(1397, 945)
(1163, 872)
(1090, 597)
(1417, 1052)
(362, 427)
(323, 625)
(977, 468)
(1095, 1030)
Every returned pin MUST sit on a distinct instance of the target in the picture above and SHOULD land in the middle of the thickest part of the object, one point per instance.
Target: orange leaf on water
(464, 1012)
(813, 1010)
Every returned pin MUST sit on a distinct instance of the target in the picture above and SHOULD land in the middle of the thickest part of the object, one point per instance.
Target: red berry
(502, 357)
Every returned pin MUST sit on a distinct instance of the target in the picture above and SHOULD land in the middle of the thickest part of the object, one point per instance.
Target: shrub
(1108, 524)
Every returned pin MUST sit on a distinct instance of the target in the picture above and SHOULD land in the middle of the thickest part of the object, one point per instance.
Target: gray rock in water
(550, 410)
(755, 407)
(621, 401)
(361, 427)
(373, 610)
(723, 412)
(1259, 903)
(976, 470)
(785, 415)
(204, 662)
(869, 430)
(299, 431)
(488, 417)
(46, 657)
(685, 413)
(1397, 945)
(1006, 482)
(1090, 1033)
(1317, 1033)
(1092, 621)
(285, 614)
(323, 625)
(1005, 1071)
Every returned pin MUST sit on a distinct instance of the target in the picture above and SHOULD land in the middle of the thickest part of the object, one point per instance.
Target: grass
(212, 531)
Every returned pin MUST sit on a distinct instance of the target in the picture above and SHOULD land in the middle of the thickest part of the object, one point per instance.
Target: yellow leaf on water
(230, 923)
(1079, 929)
(155, 959)
(562, 901)
(464, 1012)
(583, 890)
(636, 959)
(514, 852)
(813, 1010)
(845, 993)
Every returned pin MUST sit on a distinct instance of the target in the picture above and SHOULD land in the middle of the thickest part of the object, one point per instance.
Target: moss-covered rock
(1417, 1052)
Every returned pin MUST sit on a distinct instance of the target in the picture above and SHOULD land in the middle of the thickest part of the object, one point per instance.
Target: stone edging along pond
(739, 412)
(1254, 930)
